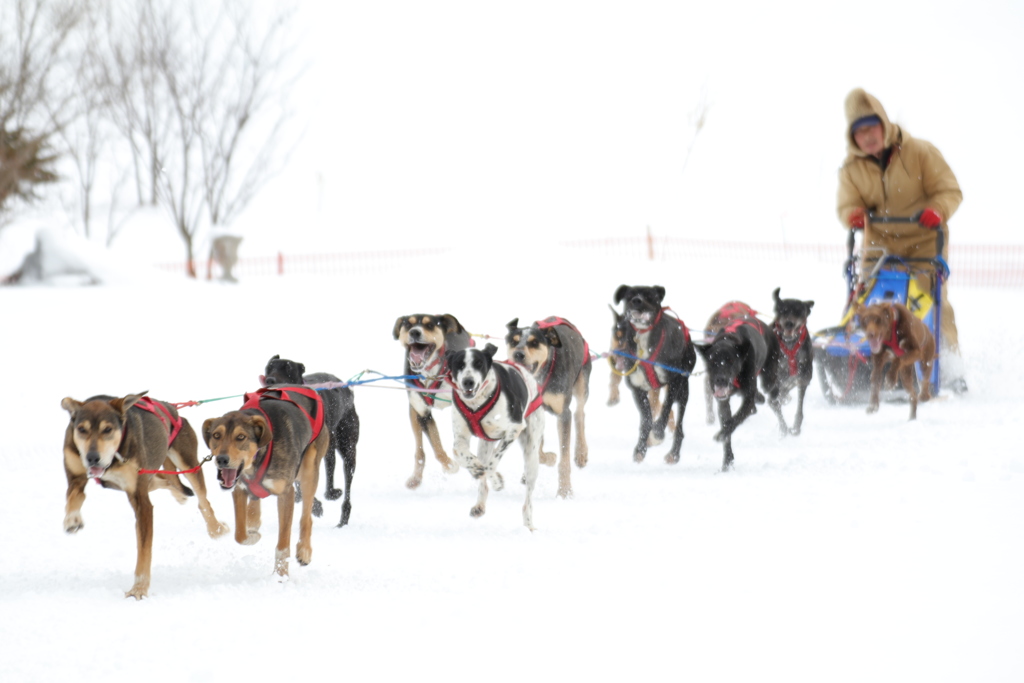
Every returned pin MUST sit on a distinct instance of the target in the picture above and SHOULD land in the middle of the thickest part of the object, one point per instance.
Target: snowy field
(868, 548)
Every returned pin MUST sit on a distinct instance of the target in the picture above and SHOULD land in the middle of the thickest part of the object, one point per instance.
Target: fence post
(280, 263)
(650, 244)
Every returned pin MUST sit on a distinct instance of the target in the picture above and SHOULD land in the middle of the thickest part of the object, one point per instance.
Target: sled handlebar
(940, 237)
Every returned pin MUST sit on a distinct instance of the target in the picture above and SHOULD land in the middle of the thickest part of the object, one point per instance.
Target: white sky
(432, 121)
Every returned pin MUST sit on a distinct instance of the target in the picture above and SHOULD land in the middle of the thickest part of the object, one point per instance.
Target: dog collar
(894, 342)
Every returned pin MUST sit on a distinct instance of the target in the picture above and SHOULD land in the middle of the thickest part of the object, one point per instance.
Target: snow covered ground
(868, 548)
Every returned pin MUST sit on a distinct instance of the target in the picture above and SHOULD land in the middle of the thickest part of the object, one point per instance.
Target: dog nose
(223, 461)
(92, 458)
(636, 302)
(519, 356)
(789, 324)
(468, 384)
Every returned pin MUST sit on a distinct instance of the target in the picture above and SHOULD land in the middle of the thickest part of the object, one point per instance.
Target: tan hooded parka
(916, 177)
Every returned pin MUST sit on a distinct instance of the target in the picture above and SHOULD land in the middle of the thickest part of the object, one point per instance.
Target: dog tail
(187, 491)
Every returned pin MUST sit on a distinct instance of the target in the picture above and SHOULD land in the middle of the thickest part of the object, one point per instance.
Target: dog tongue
(227, 477)
(95, 471)
(721, 392)
(263, 380)
(875, 344)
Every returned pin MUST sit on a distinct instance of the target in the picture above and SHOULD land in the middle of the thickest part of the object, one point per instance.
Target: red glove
(929, 219)
(856, 219)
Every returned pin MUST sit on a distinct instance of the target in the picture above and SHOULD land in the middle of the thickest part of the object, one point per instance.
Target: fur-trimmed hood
(859, 104)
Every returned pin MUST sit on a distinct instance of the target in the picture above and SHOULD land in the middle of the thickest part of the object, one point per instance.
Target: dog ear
(207, 430)
(552, 336)
(620, 293)
(660, 291)
(449, 323)
(490, 350)
(276, 356)
(302, 368)
(776, 299)
(809, 305)
(615, 314)
(263, 433)
(71, 405)
(122, 405)
(702, 349)
(512, 324)
(894, 311)
(398, 325)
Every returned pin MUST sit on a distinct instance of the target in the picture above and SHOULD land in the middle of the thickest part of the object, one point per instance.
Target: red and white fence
(971, 265)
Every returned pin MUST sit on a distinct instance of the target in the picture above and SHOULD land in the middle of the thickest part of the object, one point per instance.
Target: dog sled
(842, 357)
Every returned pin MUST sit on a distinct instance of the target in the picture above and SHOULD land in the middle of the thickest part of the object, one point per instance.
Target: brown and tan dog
(899, 338)
(108, 441)
(558, 357)
(275, 438)
(426, 339)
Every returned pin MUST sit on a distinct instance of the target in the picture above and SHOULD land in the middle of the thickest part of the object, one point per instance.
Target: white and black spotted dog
(497, 403)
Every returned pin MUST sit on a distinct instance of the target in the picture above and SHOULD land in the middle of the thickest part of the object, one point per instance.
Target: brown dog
(426, 339)
(899, 338)
(108, 441)
(275, 438)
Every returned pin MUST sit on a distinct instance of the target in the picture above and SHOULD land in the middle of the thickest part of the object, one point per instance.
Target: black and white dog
(663, 343)
(340, 418)
(796, 352)
(740, 352)
(497, 403)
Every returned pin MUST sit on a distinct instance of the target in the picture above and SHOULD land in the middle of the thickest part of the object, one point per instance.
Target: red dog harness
(648, 366)
(252, 402)
(894, 342)
(475, 417)
(791, 352)
(172, 423)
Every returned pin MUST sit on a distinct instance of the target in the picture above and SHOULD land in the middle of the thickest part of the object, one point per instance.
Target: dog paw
(137, 591)
(450, 467)
(219, 530)
(582, 458)
(672, 458)
(476, 511)
(565, 492)
(613, 401)
(548, 459)
(252, 539)
(413, 482)
(333, 494)
(73, 522)
(795, 431)
(639, 455)
(304, 553)
(872, 408)
(497, 481)
(318, 508)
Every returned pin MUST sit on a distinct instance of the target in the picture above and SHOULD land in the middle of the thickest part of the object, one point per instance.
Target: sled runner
(841, 354)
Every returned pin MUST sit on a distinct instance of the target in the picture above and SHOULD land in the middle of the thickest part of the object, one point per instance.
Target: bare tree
(35, 51)
(225, 81)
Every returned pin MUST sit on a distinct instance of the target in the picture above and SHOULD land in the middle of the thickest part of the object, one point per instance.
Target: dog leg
(580, 393)
(547, 458)
(907, 380)
(420, 457)
(643, 404)
(447, 464)
(285, 512)
(214, 527)
(798, 421)
(348, 438)
(73, 522)
(564, 434)
(613, 389)
(246, 528)
(531, 461)
(724, 418)
(139, 499)
(681, 397)
(479, 471)
(876, 383)
(331, 493)
(309, 472)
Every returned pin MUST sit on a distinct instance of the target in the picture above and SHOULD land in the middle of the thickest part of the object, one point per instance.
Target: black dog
(741, 351)
(797, 353)
(340, 419)
(663, 342)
